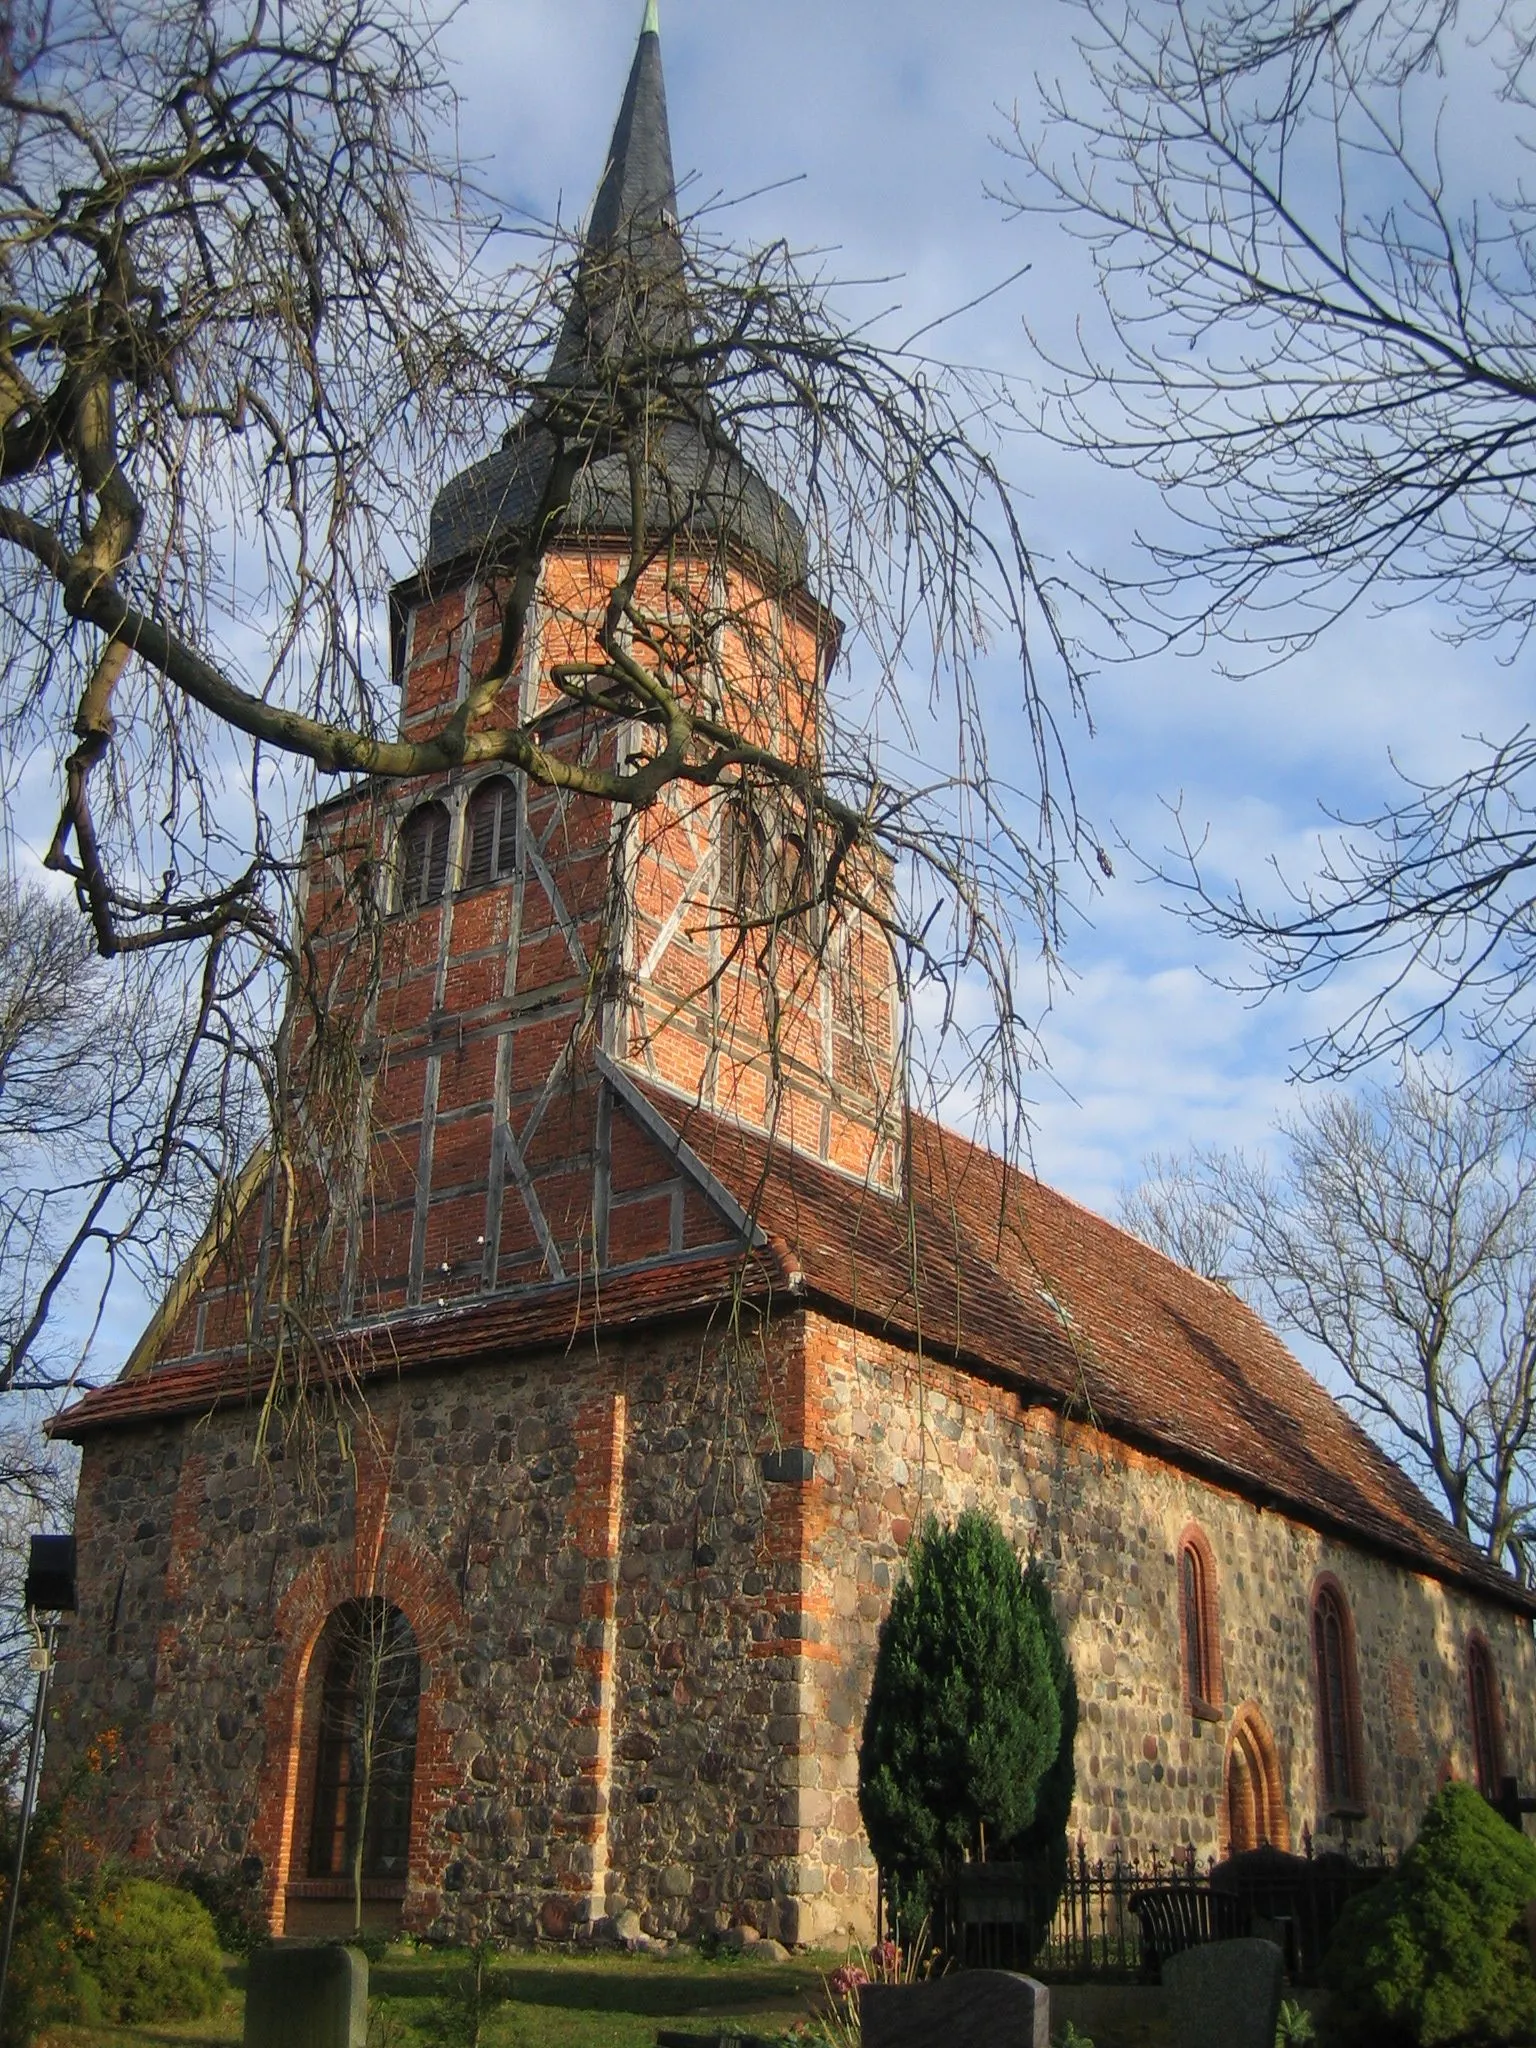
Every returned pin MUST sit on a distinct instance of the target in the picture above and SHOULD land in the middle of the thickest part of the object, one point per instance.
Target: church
(655, 1321)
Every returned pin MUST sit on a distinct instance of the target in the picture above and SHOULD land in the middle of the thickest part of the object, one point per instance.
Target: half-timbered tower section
(482, 951)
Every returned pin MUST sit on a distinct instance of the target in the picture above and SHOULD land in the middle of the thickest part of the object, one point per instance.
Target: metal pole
(28, 1800)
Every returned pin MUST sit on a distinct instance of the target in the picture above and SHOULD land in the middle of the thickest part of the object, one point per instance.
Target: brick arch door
(1255, 1790)
(413, 1581)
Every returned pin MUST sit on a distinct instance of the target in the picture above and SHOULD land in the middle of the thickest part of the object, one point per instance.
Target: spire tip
(651, 26)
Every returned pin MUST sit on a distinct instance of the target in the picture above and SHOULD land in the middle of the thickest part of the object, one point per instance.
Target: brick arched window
(422, 865)
(490, 832)
(1199, 1628)
(365, 1742)
(1487, 1732)
(1255, 1788)
(1338, 1699)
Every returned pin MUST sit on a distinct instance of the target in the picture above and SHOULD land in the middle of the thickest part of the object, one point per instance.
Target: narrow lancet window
(365, 1753)
(1197, 1626)
(1487, 1751)
(1338, 1738)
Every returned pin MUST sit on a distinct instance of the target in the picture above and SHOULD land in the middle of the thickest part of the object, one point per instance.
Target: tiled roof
(979, 1263)
(986, 1264)
(560, 1314)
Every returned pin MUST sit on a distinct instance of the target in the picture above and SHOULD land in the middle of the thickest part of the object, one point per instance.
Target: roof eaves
(559, 1313)
(1486, 1580)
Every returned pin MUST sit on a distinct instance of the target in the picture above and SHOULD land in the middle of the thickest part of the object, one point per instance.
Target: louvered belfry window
(1487, 1764)
(744, 862)
(423, 856)
(491, 832)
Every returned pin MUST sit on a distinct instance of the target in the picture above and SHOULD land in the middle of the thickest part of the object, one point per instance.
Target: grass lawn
(551, 1999)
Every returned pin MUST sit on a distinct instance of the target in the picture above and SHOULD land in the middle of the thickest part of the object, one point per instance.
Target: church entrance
(1256, 1815)
(358, 1775)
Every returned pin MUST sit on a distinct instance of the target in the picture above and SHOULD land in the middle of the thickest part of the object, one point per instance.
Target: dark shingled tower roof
(631, 294)
(629, 303)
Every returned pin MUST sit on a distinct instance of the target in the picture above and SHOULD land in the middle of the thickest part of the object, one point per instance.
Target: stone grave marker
(1225, 1994)
(972, 2009)
(306, 1998)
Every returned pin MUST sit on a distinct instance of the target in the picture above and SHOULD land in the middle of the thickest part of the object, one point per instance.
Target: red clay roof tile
(985, 1263)
(978, 1262)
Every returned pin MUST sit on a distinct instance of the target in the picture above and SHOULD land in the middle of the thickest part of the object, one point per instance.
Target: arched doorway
(353, 1825)
(1255, 1793)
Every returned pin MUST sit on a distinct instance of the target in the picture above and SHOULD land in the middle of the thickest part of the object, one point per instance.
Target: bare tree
(116, 1124)
(36, 1493)
(251, 313)
(1321, 348)
(1398, 1234)
(1175, 1206)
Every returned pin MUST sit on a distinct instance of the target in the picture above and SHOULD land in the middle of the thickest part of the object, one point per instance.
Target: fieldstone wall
(646, 1651)
(600, 1583)
(895, 1440)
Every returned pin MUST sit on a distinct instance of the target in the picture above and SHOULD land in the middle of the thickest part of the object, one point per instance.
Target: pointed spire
(630, 307)
(629, 288)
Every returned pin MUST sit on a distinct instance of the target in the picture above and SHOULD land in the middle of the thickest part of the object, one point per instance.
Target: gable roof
(985, 1264)
(977, 1262)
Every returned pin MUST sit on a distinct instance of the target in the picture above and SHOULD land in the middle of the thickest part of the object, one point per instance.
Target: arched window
(1199, 1636)
(491, 832)
(1483, 1688)
(746, 862)
(423, 859)
(1255, 1793)
(1333, 1656)
(365, 1753)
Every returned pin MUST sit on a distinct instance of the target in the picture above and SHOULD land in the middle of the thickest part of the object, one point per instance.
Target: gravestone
(972, 2009)
(306, 1998)
(1225, 1994)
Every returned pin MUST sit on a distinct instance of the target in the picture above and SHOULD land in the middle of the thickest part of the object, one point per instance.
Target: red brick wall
(446, 1135)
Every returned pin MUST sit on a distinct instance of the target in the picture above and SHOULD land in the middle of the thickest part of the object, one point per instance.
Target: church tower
(494, 963)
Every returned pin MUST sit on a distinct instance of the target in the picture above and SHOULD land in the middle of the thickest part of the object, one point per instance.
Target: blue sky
(882, 118)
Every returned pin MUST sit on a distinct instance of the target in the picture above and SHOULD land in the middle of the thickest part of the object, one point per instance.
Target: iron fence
(1119, 1917)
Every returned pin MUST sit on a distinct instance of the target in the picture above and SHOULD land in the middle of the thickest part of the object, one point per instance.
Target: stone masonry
(645, 1664)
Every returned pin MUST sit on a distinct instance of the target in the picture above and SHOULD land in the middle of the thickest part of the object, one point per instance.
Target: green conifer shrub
(1043, 1845)
(964, 1718)
(153, 1953)
(1436, 1954)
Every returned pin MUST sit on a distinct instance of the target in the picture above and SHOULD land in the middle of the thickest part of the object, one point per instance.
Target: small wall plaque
(793, 1466)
